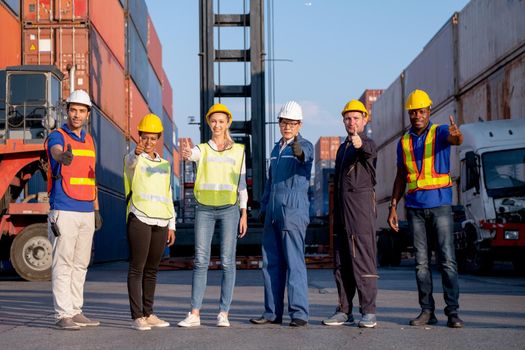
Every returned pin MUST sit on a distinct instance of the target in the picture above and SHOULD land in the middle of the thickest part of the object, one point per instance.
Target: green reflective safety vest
(150, 188)
(218, 175)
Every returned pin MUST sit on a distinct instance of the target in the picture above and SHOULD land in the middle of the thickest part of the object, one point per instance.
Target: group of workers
(423, 158)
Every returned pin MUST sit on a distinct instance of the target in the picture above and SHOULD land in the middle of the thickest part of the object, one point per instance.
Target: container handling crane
(30, 105)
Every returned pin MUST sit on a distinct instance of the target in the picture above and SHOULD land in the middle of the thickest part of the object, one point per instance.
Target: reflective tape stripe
(83, 153)
(227, 160)
(216, 187)
(82, 181)
(154, 198)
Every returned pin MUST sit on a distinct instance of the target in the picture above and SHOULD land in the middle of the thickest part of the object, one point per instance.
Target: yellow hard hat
(218, 108)
(418, 99)
(355, 105)
(150, 123)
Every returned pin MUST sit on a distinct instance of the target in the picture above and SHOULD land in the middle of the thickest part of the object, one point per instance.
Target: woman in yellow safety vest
(150, 220)
(220, 189)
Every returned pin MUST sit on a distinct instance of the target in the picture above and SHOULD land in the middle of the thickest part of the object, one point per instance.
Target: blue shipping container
(154, 92)
(14, 5)
(111, 147)
(168, 130)
(37, 183)
(111, 242)
(138, 11)
(138, 61)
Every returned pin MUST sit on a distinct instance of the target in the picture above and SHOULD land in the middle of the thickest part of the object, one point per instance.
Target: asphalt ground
(493, 308)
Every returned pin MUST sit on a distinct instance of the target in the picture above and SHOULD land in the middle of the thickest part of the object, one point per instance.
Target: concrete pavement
(493, 308)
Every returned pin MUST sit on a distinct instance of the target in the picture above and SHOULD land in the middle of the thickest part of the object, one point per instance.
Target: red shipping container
(47, 11)
(176, 163)
(10, 37)
(108, 18)
(368, 98)
(137, 108)
(154, 49)
(167, 95)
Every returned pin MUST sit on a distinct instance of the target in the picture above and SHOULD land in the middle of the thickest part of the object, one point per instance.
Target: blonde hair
(227, 134)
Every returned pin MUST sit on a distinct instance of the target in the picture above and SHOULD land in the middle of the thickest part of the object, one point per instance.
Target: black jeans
(146, 245)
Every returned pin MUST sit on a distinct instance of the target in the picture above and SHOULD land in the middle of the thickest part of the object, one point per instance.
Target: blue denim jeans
(205, 219)
(432, 227)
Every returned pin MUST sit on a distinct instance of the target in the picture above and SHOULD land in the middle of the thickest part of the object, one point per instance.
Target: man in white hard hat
(74, 214)
(284, 212)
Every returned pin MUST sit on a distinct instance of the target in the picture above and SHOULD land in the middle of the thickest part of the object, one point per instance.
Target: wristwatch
(392, 205)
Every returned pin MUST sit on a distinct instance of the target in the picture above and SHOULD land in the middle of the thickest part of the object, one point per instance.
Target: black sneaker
(297, 322)
(454, 321)
(262, 320)
(424, 318)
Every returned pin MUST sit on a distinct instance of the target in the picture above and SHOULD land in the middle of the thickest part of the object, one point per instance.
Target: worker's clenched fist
(453, 129)
(66, 157)
(186, 151)
(140, 147)
(296, 148)
(357, 142)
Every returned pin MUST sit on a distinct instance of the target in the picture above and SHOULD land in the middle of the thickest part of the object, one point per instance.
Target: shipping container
(10, 39)
(176, 163)
(108, 18)
(326, 148)
(111, 146)
(138, 12)
(389, 114)
(111, 243)
(168, 130)
(13, 5)
(138, 108)
(137, 60)
(47, 11)
(321, 191)
(167, 94)
(488, 31)
(433, 69)
(368, 98)
(154, 48)
(154, 94)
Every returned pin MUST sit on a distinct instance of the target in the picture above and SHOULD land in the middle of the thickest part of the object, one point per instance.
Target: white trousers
(71, 256)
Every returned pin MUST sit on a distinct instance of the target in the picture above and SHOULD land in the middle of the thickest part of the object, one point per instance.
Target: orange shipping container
(47, 11)
(108, 18)
(326, 148)
(167, 95)
(137, 109)
(10, 52)
(154, 48)
(96, 69)
(176, 163)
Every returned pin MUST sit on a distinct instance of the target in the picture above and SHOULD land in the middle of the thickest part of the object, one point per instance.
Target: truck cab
(492, 191)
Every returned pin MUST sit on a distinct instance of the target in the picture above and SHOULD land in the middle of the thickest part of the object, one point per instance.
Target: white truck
(492, 191)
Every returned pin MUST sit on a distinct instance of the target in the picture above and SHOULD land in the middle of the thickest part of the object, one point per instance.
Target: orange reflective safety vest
(78, 178)
(427, 178)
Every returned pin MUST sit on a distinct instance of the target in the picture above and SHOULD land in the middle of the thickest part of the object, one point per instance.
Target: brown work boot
(424, 318)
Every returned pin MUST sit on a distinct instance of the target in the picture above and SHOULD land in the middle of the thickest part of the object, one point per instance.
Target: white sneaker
(190, 321)
(154, 321)
(140, 324)
(222, 320)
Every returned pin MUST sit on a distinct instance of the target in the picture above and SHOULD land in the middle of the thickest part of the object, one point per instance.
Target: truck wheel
(31, 253)
(482, 262)
(384, 246)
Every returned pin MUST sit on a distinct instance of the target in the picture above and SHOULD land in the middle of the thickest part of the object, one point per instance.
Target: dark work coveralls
(354, 219)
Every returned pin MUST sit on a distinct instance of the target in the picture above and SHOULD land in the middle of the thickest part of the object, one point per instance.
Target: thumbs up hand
(140, 147)
(357, 142)
(67, 156)
(453, 129)
(296, 148)
(186, 151)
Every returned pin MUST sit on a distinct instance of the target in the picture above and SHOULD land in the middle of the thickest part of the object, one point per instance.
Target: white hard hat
(291, 110)
(79, 96)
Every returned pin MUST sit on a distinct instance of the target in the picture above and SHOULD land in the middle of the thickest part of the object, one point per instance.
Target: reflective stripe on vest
(427, 178)
(218, 175)
(150, 188)
(78, 178)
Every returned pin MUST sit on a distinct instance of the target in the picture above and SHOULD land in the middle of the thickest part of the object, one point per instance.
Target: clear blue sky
(339, 48)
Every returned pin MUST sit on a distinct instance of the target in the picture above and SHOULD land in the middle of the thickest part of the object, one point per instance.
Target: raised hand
(357, 142)
(453, 129)
(186, 150)
(296, 148)
(67, 156)
(140, 147)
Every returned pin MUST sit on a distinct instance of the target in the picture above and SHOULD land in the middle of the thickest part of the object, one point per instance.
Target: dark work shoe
(424, 318)
(262, 320)
(297, 322)
(454, 321)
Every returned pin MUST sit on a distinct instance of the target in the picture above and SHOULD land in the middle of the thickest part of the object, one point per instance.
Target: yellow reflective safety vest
(150, 188)
(427, 178)
(218, 175)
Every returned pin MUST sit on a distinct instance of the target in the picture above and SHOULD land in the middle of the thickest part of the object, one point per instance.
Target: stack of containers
(188, 180)
(368, 98)
(98, 47)
(325, 153)
(10, 38)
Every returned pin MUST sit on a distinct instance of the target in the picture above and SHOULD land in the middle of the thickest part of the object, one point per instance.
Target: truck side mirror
(472, 170)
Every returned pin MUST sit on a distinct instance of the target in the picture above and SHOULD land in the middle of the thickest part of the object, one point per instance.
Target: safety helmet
(355, 105)
(291, 110)
(81, 97)
(418, 99)
(150, 123)
(218, 108)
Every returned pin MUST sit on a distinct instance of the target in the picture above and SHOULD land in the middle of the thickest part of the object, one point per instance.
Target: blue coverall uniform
(285, 203)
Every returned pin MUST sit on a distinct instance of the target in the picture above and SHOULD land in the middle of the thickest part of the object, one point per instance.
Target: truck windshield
(504, 172)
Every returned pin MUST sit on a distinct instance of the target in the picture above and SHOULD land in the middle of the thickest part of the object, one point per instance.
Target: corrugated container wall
(167, 94)
(13, 5)
(110, 27)
(138, 12)
(176, 163)
(10, 37)
(47, 11)
(138, 108)
(488, 30)
(168, 130)
(137, 60)
(389, 114)
(154, 95)
(433, 69)
(326, 148)
(154, 49)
